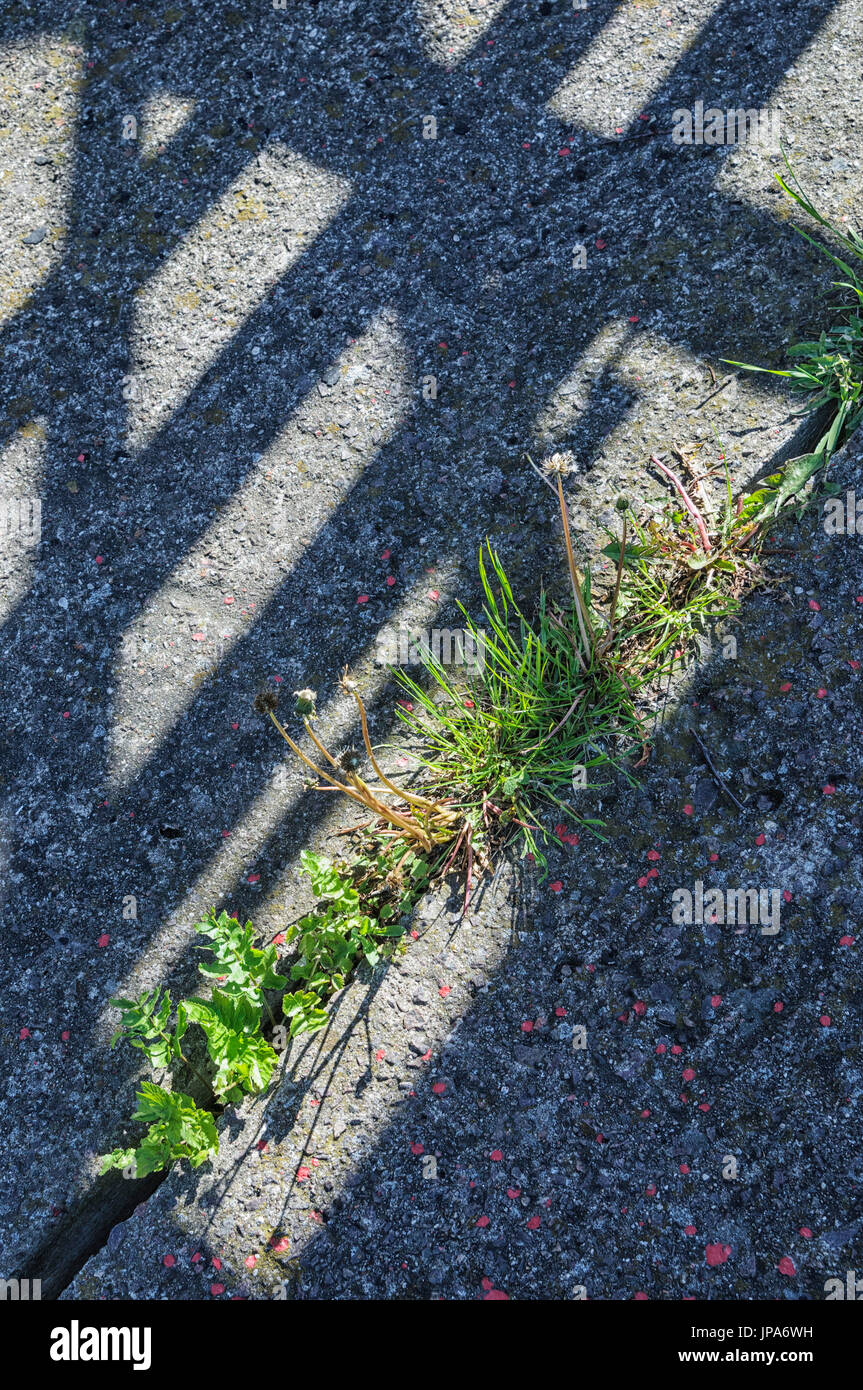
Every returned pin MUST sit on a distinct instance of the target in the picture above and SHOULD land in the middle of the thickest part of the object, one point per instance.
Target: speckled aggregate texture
(286, 295)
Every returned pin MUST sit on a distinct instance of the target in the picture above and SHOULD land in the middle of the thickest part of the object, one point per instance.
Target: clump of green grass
(689, 563)
(506, 739)
(550, 697)
(828, 369)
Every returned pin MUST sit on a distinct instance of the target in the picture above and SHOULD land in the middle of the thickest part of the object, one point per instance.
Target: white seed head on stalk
(558, 464)
(306, 701)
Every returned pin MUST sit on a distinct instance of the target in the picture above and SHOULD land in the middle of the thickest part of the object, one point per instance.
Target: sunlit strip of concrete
(36, 161)
(184, 632)
(162, 118)
(829, 124)
(21, 474)
(451, 28)
(218, 275)
(646, 43)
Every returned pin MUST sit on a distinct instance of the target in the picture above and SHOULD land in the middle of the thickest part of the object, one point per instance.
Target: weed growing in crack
(505, 741)
(178, 1129)
(497, 746)
(241, 1059)
(348, 927)
(684, 568)
(688, 565)
(829, 369)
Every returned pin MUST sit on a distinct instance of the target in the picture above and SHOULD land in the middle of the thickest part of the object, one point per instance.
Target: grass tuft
(828, 370)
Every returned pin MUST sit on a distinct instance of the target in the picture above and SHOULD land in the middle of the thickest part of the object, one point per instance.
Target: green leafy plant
(828, 370)
(243, 1061)
(327, 882)
(304, 1009)
(178, 1129)
(144, 1023)
(390, 876)
(241, 967)
(243, 1058)
(330, 941)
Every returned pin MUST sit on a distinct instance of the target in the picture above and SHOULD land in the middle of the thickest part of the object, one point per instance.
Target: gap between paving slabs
(88, 1228)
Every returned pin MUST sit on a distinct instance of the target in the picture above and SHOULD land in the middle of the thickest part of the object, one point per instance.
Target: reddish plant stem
(687, 502)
